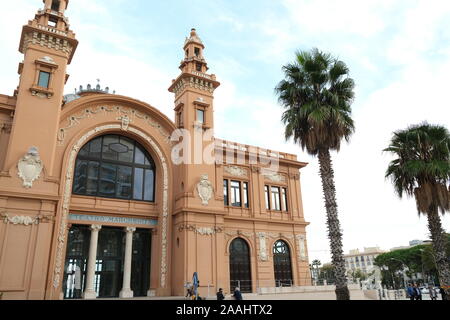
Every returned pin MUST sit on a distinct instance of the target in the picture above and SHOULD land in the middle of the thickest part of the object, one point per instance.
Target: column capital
(130, 229)
(95, 227)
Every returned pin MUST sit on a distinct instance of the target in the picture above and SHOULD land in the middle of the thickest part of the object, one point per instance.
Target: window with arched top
(282, 264)
(113, 166)
(240, 266)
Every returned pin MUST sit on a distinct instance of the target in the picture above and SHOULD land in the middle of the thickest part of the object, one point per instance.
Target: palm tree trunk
(439, 243)
(334, 230)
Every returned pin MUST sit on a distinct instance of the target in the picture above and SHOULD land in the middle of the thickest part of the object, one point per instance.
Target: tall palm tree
(316, 95)
(421, 169)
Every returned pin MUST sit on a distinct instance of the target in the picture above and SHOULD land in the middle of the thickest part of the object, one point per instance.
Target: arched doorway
(240, 267)
(115, 167)
(282, 264)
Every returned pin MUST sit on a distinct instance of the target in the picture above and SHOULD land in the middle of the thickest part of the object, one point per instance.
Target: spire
(193, 58)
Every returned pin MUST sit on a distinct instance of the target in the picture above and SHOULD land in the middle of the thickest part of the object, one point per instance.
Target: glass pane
(285, 203)
(138, 183)
(44, 78)
(92, 178)
(225, 192)
(139, 156)
(149, 185)
(79, 185)
(123, 182)
(246, 204)
(266, 192)
(200, 116)
(84, 152)
(235, 193)
(109, 153)
(276, 198)
(96, 148)
(108, 179)
(127, 153)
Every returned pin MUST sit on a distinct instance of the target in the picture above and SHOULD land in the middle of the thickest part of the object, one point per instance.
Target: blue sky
(398, 53)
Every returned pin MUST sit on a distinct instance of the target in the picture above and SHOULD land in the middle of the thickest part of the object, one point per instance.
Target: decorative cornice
(193, 82)
(201, 230)
(48, 41)
(126, 116)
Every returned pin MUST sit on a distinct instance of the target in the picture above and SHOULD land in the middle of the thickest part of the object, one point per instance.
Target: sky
(398, 53)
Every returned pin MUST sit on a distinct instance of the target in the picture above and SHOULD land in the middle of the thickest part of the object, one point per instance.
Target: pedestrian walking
(418, 295)
(220, 295)
(433, 293)
(237, 294)
(411, 292)
(443, 294)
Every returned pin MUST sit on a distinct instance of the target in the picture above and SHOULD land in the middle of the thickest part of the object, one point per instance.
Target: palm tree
(316, 95)
(422, 170)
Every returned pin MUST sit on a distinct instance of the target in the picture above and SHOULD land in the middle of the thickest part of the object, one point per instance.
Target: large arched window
(282, 264)
(240, 272)
(114, 166)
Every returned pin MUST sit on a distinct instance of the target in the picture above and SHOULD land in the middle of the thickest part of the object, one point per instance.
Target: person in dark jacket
(442, 292)
(237, 294)
(411, 292)
(220, 295)
(418, 295)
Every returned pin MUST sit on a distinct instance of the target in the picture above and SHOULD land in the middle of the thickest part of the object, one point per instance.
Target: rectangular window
(267, 197)
(235, 193)
(276, 203)
(55, 5)
(44, 79)
(198, 66)
(225, 192)
(197, 51)
(245, 190)
(200, 116)
(284, 197)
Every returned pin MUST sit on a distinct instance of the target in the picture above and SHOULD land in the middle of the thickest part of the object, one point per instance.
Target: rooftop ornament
(78, 93)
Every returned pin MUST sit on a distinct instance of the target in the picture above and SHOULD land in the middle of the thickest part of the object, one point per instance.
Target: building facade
(102, 195)
(364, 262)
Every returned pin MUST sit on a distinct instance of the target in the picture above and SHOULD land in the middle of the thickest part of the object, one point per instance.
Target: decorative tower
(198, 189)
(48, 46)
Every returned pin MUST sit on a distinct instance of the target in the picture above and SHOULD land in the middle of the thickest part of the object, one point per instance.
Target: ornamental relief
(202, 230)
(29, 167)
(262, 253)
(205, 189)
(274, 177)
(126, 116)
(24, 220)
(235, 171)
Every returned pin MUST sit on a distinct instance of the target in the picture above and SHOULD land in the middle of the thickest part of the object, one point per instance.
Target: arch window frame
(146, 167)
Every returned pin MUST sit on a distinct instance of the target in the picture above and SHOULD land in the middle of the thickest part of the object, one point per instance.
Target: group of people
(237, 295)
(414, 292)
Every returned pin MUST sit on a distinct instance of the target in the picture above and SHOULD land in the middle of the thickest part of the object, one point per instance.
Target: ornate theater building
(102, 195)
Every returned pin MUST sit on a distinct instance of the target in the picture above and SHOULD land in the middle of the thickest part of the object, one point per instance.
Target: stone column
(126, 291)
(89, 292)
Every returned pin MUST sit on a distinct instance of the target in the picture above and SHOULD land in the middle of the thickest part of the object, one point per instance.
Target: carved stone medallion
(30, 167)
(205, 189)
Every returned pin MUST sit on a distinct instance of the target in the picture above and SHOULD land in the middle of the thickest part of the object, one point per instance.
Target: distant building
(362, 260)
(412, 243)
